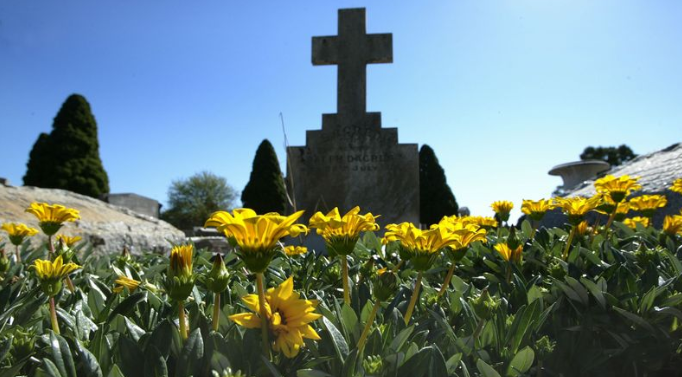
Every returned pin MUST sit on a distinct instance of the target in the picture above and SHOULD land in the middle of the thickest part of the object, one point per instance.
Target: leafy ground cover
(575, 301)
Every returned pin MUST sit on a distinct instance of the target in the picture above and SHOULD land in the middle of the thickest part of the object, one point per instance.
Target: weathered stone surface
(138, 203)
(107, 227)
(352, 160)
(656, 172)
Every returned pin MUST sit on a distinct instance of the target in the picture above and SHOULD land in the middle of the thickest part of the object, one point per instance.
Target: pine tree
(265, 191)
(68, 158)
(435, 196)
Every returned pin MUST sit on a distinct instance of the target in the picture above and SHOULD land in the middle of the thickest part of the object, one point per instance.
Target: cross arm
(380, 47)
(325, 50)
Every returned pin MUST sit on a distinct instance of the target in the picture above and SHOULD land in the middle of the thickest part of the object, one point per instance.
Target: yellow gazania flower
(617, 188)
(67, 240)
(17, 232)
(288, 317)
(633, 221)
(180, 278)
(295, 250)
(582, 228)
(125, 282)
(422, 245)
(342, 233)
(466, 233)
(51, 273)
(647, 204)
(672, 225)
(482, 221)
(257, 236)
(576, 207)
(536, 209)
(676, 186)
(508, 254)
(502, 209)
(51, 217)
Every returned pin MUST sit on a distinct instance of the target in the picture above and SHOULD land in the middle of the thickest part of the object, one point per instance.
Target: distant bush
(265, 192)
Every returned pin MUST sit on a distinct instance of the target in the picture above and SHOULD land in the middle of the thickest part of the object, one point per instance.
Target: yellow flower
(647, 204)
(465, 232)
(126, 282)
(67, 240)
(536, 209)
(482, 221)
(576, 207)
(508, 254)
(295, 250)
(51, 217)
(617, 188)
(257, 236)
(180, 279)
(632, 222)
(51, 273)
(423, 246)
(672, 225)
(288, 317)
(677, 186)
(342, 233)
(18, 232)
(582, 228)
(502, 209)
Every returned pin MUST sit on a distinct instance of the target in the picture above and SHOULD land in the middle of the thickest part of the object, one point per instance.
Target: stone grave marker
(352, 160)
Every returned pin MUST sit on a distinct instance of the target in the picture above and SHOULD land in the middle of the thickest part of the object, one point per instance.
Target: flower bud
(218, 278)
(180, 278)
(484, 305)
(341, 245)
(385, 284)
(4, 262)
(373, 365)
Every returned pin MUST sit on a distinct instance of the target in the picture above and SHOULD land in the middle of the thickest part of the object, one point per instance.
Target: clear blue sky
(501, 90)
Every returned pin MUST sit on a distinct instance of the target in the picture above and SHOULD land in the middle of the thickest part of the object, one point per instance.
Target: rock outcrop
(108, 228)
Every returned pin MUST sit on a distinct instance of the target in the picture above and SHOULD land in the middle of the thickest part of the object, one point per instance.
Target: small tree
(435, 196)
(614, 156)
(265, 191)
(68, 157)
(191, 201)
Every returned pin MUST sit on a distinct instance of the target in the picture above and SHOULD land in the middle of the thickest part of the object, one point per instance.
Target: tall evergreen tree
(68, 158)
(265, 191)
(435, 196)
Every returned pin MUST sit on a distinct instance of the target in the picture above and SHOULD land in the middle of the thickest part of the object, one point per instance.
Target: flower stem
(263, 314)
(18, 254)
(413, 300)
(53, 316)
(448, 277)
(344, 266)
(182, 320)
(397, 266)
(608, 223)
(368, 325)
(216, 311)
(50, 246)
(569, 242)
(477, 332)
(69, 284)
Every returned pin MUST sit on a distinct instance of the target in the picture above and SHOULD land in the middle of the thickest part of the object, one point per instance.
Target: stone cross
(352, 50)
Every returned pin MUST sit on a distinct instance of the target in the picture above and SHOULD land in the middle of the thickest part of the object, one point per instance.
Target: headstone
(352, 160)
(138, 203)
(4, 181)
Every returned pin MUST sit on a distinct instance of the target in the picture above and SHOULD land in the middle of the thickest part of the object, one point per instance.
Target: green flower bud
(557, 271)
(180, 278)
(385, 284)
(23, 343)
(51, 287)
(513, 241)
(544, 347)
(218, 278)
(373, 365)
(484, 305)
(4, 262)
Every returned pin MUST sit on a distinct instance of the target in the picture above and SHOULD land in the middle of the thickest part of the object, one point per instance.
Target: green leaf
(154, 363)
(595, 291)
(635, 319)
(51, 369)
(337, 339)
(127, 306)
(115, 372)
(273, 370)
(162, 337)
(485, 369)
(13, 370)
(61, 353)
(88, 365)
(534, 293)
(453, 363)
(131, 357)
(401, 338)
(521, 362)
(192, 352)
(349, 319)
(312, 373)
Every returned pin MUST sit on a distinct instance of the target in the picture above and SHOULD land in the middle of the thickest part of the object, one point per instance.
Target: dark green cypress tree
(265, 191)
(68, 158)
(435, 196)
